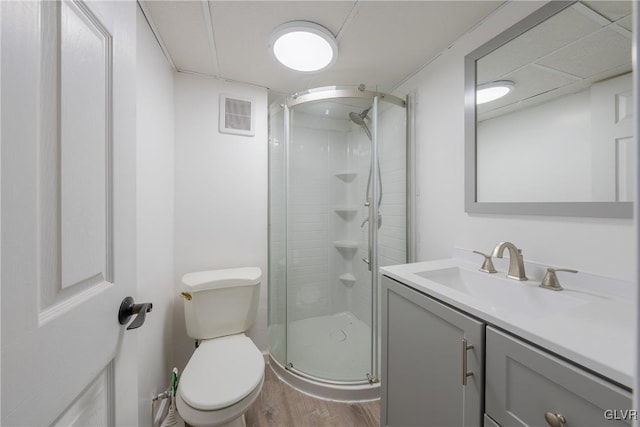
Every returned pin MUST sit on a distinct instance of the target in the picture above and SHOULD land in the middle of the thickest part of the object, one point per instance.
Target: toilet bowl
(225, 374)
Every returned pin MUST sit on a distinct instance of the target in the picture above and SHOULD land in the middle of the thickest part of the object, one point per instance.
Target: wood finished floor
(280, 405)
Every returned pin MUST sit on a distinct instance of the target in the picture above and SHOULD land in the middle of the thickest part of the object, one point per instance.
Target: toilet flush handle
(128, 308)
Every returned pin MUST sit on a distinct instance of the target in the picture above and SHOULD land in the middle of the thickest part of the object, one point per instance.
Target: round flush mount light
(491, 91)
(304, 46)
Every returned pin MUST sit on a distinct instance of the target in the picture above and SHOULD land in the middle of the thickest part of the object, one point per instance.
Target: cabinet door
(422, 361)
(524, 383)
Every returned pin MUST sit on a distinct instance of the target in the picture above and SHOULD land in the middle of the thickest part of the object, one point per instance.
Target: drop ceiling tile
(529, 82)
(381, 43)
(387, 41)
(563, 28)
(242, 30)
(183, 30)
(626, 23)
(592, 55)
(612, 10)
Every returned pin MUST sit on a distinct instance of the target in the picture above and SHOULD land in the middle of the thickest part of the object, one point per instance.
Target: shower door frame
(373, 212)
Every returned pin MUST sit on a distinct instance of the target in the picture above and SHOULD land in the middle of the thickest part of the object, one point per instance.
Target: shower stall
(337, 212)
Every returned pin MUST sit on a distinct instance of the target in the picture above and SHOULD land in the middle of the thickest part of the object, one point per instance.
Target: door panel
(92, 406)
(84, 146)
(612, 139)
(68, 251)
(75, 163)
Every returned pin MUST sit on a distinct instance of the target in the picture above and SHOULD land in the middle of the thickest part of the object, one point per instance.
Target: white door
(612, 140)
(68, 212)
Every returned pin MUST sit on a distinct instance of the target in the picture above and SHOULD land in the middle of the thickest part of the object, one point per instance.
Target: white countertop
(597, 334)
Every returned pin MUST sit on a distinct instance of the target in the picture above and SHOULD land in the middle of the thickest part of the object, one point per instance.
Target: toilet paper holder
(129, 308)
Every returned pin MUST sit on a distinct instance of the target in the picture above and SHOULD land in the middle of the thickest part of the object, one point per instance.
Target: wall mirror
(560, 142)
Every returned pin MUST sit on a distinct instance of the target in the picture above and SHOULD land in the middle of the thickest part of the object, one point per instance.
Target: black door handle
(128, 308)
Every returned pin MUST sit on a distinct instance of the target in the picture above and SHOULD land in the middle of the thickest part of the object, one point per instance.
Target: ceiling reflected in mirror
(585, 43)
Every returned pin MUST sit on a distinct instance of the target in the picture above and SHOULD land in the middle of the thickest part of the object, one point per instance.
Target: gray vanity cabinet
(523, 383)
(425, 346)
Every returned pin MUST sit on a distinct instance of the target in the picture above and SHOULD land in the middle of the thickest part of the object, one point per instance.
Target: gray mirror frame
(471, 204)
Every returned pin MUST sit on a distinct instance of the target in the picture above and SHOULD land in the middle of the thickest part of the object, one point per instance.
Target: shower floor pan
(330, 357)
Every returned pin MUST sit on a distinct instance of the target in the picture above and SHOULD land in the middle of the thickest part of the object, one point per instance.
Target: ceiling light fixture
(304, 46)
(491, 91)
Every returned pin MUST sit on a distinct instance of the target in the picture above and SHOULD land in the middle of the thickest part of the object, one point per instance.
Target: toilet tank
(220, 302)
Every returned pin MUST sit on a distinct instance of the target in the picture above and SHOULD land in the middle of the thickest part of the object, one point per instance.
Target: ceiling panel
(592, 55)
(554, 33)
(626, 23)
(380, 43)
(387, 41)
(610, 9)
(182, 27)
(591, 48)
(242, 30)
(529, 81)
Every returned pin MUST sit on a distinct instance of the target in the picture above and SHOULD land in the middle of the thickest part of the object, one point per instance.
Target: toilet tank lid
(217, 279)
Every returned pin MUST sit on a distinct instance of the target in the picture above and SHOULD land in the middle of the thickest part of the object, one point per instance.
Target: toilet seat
(198, 418)
(221, 372)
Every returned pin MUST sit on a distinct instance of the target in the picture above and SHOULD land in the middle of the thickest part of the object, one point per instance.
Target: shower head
(358, 118)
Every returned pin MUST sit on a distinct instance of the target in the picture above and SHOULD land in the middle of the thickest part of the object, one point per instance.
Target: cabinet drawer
(523, 383)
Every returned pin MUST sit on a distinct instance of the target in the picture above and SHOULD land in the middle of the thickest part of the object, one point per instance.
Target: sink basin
(502, 294)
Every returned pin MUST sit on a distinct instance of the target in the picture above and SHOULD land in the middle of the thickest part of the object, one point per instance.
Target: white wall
(537, 154)
(155, 165)
(220, 194)
(599, 246)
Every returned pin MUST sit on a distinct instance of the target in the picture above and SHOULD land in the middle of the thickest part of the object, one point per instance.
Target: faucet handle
(487, 264)
(550, 280)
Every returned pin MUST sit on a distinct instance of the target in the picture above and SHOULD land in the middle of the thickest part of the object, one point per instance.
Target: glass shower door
(391, 246)
(337, 213)
(329, 300)
(277, 312)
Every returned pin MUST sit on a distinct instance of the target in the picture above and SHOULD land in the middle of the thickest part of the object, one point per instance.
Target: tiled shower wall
(309, 280)
(392, 240)
(326, 205)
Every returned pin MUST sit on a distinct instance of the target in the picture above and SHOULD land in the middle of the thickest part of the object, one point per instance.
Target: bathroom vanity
(466, 348)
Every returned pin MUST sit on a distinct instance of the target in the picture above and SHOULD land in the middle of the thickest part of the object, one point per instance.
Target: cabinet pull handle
(465, 373)
(555, 419)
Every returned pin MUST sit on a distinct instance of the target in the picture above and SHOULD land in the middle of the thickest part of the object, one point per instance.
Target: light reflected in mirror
(565, 131)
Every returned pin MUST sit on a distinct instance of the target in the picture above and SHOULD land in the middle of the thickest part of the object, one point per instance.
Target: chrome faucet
(516, 262)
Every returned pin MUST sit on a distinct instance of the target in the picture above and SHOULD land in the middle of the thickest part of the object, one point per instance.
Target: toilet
(226, 372)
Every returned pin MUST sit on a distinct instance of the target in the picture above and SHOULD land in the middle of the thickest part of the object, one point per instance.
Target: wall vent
(236, 115)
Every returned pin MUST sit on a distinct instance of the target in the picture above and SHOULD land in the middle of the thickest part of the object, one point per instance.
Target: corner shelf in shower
(346, 244)
(348, 279)
(346, 176)
(346, 211)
